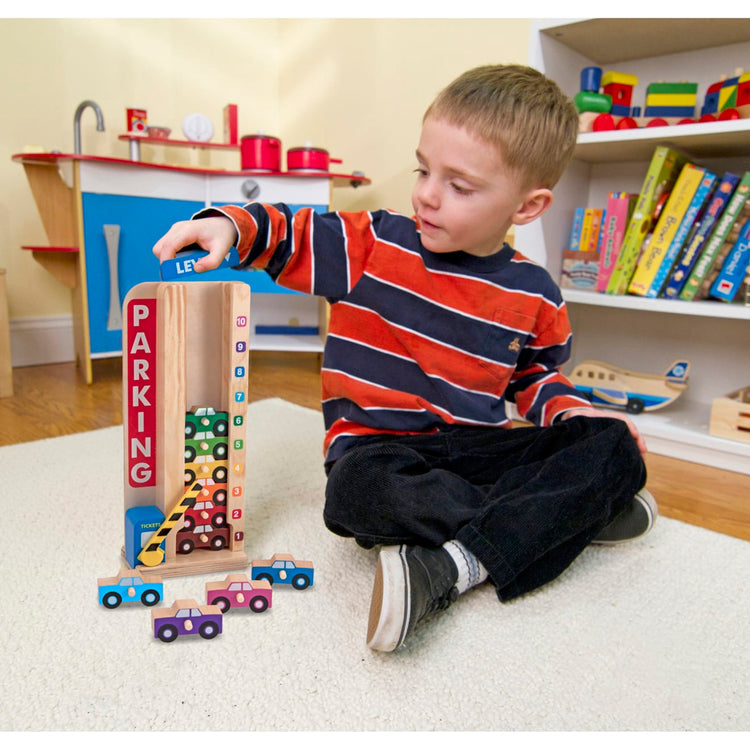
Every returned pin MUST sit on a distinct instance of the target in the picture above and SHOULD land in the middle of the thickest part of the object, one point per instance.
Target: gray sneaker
(635, 521)
(410, 584)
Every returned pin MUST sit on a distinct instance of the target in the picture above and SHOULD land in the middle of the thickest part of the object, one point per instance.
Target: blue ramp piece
(183, 264)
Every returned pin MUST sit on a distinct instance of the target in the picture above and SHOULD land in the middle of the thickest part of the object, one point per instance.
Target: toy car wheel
(208, 630)
(189, 476)
(259, 604)
(189, 430)
(167, 633)
(222, 603)
(219, 520)
(264, 577)
(220, 451)
(111, 600)
(300, 581)
(188, 523)
(220, 474)
(220, 497)
(185, 547)
(221, 426)
(218, 542)
(189, 453)
(634, 406)
(150, 597)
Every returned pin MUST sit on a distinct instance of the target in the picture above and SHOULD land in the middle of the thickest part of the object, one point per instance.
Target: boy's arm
(322, 254)
(591, 412)
(540, 390)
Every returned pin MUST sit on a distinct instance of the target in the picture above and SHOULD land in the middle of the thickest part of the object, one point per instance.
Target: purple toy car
(186, 617)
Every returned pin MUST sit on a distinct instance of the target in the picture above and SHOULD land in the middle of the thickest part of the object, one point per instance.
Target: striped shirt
(417, 341)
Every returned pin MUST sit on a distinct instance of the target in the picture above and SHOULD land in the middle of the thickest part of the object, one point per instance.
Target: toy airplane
(610, 386)
(183, 264)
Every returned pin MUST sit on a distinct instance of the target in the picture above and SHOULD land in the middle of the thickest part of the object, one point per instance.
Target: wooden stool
(6, 371)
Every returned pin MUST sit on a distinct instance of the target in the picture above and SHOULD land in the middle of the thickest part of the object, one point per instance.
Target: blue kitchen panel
(141, 222)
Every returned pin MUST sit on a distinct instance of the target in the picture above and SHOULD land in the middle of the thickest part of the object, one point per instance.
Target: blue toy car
(284, 569)
(130, 586)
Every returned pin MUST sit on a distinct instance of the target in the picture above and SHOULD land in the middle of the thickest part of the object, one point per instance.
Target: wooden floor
(52, 400)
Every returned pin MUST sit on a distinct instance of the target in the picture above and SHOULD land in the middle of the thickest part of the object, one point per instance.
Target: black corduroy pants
(525, 501)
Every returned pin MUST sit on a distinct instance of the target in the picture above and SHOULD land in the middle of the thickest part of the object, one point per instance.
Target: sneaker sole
(648, 504)
(390, 606)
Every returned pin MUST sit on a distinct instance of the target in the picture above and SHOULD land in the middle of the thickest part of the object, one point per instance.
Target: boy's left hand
(612, 414)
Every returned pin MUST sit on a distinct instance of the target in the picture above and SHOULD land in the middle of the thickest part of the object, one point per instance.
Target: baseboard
(41, 341)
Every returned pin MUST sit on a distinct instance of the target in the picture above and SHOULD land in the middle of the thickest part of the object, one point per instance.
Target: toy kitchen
(102, 216)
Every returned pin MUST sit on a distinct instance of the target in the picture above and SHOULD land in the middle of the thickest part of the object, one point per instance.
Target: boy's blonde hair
(519, 110)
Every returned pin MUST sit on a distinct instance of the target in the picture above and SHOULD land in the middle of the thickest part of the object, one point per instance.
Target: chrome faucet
(77, 122)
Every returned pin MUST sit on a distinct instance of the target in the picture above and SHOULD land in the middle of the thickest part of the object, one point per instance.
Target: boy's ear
(535, 203)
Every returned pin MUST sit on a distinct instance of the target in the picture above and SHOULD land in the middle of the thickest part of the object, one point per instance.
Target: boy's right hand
(216, 234)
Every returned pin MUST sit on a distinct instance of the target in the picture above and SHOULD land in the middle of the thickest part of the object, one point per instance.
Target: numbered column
(237, 380)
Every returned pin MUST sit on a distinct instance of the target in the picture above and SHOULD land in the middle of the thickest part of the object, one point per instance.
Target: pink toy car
(237, 590)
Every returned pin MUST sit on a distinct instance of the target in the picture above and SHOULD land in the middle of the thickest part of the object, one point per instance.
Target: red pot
(308, 157)
(260, 152)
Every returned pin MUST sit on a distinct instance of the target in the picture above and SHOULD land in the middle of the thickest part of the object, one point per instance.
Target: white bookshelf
(645, 334)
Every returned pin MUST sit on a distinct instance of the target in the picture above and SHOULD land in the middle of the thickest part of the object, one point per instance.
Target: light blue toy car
(130, 587)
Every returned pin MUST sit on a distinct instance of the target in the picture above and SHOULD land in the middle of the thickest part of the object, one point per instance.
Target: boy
(435, 323)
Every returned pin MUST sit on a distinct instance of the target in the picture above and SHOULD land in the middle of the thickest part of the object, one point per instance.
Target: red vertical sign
(140, 398)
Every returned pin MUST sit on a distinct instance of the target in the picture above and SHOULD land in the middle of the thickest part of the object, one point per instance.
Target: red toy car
(204, 536)
(203, 512)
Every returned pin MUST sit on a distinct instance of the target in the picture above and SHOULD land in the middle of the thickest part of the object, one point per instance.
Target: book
(579, 269)
(714, 244)
(732, 273)
(720, 258)
(665, 166)
(685, 231)
(714, 209)
(667, 229)
(590, 228)
(617, 213)
(576, 229)
(595, 225)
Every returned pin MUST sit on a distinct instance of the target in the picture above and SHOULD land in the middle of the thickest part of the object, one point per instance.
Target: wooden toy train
(605, 101)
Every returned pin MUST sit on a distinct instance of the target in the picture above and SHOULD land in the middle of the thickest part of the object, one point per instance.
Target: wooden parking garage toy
(185, 376)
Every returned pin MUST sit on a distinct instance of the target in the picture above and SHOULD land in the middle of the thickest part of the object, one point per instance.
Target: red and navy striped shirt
(417, 341)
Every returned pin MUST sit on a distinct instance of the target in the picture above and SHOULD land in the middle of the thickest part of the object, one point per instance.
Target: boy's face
(464, 198)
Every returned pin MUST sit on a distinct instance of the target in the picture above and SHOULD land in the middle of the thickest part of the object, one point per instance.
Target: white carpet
(654, 635)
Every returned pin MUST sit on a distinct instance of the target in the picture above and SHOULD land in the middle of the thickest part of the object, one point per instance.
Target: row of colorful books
(686, 235)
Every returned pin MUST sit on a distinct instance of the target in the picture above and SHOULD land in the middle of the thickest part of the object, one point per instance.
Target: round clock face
(197, 127)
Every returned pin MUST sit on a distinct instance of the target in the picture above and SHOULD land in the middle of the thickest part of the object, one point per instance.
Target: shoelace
(442, 602)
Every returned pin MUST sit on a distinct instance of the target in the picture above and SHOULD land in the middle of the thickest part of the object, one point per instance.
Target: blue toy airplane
(610, 386)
